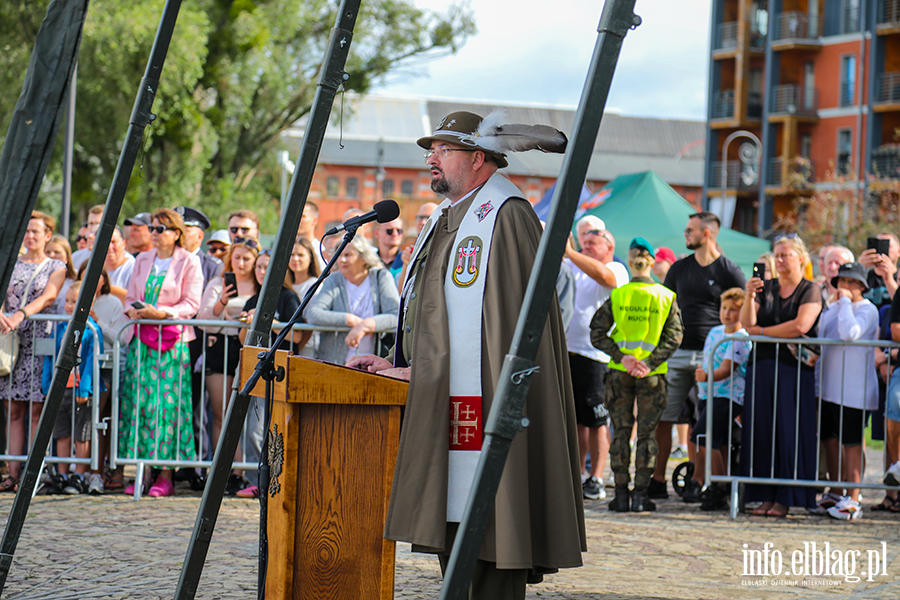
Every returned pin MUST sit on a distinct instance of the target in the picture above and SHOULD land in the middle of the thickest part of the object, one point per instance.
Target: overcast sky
(538, 52)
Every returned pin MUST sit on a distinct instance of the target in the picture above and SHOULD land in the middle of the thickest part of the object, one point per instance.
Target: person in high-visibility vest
(639, 327)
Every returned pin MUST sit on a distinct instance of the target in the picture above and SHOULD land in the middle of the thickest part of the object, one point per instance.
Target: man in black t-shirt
(698, 281)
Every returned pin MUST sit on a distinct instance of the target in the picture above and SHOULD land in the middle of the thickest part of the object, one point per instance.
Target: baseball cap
(140, 219)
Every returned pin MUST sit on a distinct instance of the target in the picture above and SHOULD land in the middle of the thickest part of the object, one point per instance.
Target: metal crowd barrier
(204, 458)
(738, 480)
(47, 347)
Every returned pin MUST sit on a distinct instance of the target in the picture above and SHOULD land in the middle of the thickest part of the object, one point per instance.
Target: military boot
(621, 501)
(641, 502)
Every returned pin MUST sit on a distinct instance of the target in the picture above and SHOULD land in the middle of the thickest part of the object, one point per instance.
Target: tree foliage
(836, 211)
(238, 73)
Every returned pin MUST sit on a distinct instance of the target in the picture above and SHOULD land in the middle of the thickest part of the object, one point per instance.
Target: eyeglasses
(393, 231)
(246, 241)
(236, 230)
(597, 232)
(443, 151)
(266, 252)
(787, 236)
(217, 250)
(160, 228)
(80, 238)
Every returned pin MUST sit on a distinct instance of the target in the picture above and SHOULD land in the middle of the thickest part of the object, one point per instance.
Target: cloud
(529, 54)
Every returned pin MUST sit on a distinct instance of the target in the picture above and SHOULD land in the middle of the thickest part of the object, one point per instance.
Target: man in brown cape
(537, 523)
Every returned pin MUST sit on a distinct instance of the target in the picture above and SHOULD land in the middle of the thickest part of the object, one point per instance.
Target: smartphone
(759, 270)
(879, 245)
(138, 305)
(231, 280)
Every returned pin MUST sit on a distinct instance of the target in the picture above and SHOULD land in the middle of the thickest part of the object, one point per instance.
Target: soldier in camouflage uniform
(649, 332)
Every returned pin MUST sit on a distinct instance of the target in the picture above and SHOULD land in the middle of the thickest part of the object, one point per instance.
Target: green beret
(640, 242)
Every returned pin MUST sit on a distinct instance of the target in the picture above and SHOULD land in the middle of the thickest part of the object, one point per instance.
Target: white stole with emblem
(464, 296)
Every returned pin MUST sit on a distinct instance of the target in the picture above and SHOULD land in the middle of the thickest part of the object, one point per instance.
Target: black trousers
(489, 582)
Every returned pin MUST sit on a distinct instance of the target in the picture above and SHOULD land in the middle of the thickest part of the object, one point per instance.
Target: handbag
(9, 342)
(161, 338)
(9, 351)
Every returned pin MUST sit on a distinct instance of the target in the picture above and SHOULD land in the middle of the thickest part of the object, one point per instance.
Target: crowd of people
(644, 336)
(175, 379)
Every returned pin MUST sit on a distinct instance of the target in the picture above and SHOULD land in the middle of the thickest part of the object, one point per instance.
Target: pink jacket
(181, 289)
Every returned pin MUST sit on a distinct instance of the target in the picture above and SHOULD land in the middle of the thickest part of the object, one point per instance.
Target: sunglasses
(216, 250)
(237, 230)
(393, 231)
(246, 241)
(160, 228)
(80, 238)
(266, 252)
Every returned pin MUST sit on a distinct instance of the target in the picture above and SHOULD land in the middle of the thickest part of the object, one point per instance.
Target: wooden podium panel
(340, 429)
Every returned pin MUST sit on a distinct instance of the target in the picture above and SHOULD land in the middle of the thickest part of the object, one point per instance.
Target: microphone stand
(265, 369)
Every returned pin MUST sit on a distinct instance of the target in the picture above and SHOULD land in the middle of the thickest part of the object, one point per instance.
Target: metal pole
(505, 419)
(140, 118)
(67, 157)
(331, 78)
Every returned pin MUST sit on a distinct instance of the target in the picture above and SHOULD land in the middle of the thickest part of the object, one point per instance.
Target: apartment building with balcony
(802, 93)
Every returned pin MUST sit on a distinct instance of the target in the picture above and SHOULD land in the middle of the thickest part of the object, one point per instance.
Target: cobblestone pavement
(114, 547)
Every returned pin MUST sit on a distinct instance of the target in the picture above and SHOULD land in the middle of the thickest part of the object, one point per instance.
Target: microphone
(384, 211)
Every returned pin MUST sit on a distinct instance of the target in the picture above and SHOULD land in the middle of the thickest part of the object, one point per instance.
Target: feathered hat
(494, 137)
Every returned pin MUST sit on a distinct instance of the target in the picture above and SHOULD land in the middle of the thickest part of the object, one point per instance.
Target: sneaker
(657, 490)
(692, 491)
(892, 475)
(251, 491)
(58, 483)
(235, 484)
(592, 488)
(77, 485)
(829, 499)
(95, 484)
(678, 454)
(847, 509)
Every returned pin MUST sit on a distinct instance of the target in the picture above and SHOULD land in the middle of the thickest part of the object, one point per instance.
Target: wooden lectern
(339, 429)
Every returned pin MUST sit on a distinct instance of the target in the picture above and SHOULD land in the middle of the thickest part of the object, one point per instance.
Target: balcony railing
(888, 91)
(850, 20)
(795, 26)
(847, 93)
(800, 172)
(723, 105)
(886, 163)
(726, 36)
(889, 12)
(791, 99)
(738, 176)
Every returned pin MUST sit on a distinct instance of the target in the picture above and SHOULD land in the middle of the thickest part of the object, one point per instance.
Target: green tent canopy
(643, 205)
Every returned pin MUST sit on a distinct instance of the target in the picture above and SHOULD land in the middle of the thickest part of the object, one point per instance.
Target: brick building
(818, 83)
(380, 158)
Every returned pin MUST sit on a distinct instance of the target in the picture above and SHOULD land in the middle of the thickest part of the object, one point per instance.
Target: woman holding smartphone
(224, 299)
(156, 408)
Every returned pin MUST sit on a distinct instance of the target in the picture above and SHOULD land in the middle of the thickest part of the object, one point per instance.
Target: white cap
(220, 236)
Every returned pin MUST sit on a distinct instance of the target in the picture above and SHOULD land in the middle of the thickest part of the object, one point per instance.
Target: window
(352, 187)
(406, 187)
(331, 187)
(387, 188)
(848, 79)
(845, 141)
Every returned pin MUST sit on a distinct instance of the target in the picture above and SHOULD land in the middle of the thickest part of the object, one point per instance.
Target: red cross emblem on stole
(465, 423)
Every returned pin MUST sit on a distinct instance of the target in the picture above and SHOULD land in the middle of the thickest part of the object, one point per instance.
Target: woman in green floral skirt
(156, 410)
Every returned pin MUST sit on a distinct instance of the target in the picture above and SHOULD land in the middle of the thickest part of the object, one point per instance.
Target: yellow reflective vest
(640, 311)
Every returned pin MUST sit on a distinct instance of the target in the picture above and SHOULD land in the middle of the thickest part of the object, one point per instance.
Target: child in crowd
(849, 387)
(76, 402)
(729, 361)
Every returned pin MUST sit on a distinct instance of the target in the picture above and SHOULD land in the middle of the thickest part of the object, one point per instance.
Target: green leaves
(237, 74)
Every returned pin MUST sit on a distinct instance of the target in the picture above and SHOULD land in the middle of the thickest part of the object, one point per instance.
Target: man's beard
(440, 185)
(692, 245)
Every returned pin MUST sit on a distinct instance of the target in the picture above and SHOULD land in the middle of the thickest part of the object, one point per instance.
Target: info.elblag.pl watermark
(815, 564)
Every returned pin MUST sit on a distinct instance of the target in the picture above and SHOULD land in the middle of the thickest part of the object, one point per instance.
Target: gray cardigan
(330, 308)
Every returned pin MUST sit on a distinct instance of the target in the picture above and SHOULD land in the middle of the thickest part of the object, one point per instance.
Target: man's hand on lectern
(370, 363)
